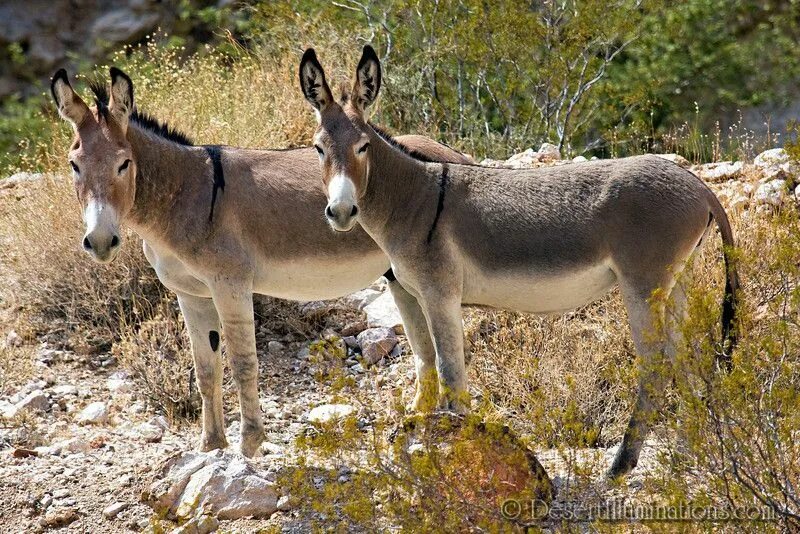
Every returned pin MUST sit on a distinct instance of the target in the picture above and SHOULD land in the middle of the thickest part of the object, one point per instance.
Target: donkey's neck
(161, 169)
(400, 191)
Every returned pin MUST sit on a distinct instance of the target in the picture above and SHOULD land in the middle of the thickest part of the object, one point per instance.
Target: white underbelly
(319, 279)
(537, 292)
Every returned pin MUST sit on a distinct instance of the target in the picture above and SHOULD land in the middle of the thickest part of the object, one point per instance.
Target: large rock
(376, 343)
(772, 157)
(383, 312)
(36, 401)
(124, 25)
(325, 413)
(771, 193)
(193, 485)
(719, 172)
(677, 159)
(360, 299)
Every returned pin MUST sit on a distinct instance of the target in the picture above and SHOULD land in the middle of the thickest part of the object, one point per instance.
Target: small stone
(64, 390)
(326, 413)
(36, 401)
(61, 493)
(284, 503)
(118, 383)
(59, 518)
(352, 329)
(13, 339)
(275, 347)
(113, 510)
(376, 343)
(95, 413)
(579, 159)
(548, 152)
(360, 299)
(150, 433)
(719, 172)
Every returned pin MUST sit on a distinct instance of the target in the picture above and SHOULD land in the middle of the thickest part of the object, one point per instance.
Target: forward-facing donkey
(219, 224)
(541, 240)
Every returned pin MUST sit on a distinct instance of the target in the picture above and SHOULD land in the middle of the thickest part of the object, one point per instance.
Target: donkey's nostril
(87, 244)
(328, 212)
(114, 241)
(354, 211)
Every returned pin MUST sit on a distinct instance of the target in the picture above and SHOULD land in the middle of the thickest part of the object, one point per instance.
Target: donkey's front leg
(443, 313)
(416, 328)
(202, 322)
(235, 306)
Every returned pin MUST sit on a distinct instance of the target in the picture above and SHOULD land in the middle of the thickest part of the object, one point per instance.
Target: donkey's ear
(368, 79)
(312, 81)
(121, 103)
(70, 106)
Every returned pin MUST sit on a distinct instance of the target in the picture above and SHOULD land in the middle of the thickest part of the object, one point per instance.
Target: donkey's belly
(538, 292)
(319, 278)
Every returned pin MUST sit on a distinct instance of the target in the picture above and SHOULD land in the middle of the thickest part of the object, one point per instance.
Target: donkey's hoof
(454, 406)
(210, 443)
(251, 444)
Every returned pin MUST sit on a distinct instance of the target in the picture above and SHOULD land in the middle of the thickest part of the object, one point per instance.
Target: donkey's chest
(537, 291)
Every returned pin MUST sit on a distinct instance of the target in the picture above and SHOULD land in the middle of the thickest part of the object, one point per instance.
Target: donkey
(219, 224)
(543, 240)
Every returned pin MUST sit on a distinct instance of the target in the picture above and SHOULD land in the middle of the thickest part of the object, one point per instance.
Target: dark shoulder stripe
(215, 155)
(440, 205)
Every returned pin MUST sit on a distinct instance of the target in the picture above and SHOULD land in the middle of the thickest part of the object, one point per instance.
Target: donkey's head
(341, 138)
(102, 160)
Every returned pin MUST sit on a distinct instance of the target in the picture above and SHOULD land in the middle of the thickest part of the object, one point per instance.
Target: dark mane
(148, 122)
(386, 136)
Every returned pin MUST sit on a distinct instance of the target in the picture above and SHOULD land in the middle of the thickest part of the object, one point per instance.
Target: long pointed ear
(121, 104)
(368, 79)
(70, 106)
(312, 82)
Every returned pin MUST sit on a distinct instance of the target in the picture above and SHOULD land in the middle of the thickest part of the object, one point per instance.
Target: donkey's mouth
(343, 226)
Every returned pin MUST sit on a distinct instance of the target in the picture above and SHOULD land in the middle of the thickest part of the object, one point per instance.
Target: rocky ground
(82, 447)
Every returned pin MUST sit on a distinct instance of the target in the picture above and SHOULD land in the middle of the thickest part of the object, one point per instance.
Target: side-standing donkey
(541, 240)
(219, 224)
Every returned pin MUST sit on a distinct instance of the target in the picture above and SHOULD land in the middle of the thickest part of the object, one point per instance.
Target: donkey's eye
(123, 166)
(363, 148)
(75, 167)
(319, 150)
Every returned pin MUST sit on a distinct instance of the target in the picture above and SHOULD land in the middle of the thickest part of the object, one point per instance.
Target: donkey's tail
(730, 301)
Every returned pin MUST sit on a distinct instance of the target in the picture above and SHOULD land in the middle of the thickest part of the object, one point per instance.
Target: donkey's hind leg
(202, 322)
(648, 329)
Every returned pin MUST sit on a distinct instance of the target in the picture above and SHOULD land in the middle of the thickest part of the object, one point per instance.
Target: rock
(124, 26)
(351, 329)
(149, 432)
(350, 341)
(376, 343)
(285, 503)
(12, 338)
(72, 446)
(64, 390)
(383, 312)
(771, 193)
(118, 383)
(193, 484)
(325, 413)
(21, 177)
(579, 159)
(59, 518)
(772, 157)
(677, 159)
(359, 299)
(719, 172)
(316, 309)
(113, 510)
(36, 401)
(198, 525)
(548, 152)
(95, 413)
(275, 347)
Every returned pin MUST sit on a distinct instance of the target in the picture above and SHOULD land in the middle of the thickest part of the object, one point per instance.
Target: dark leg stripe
(440, 205)
(215, 155)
